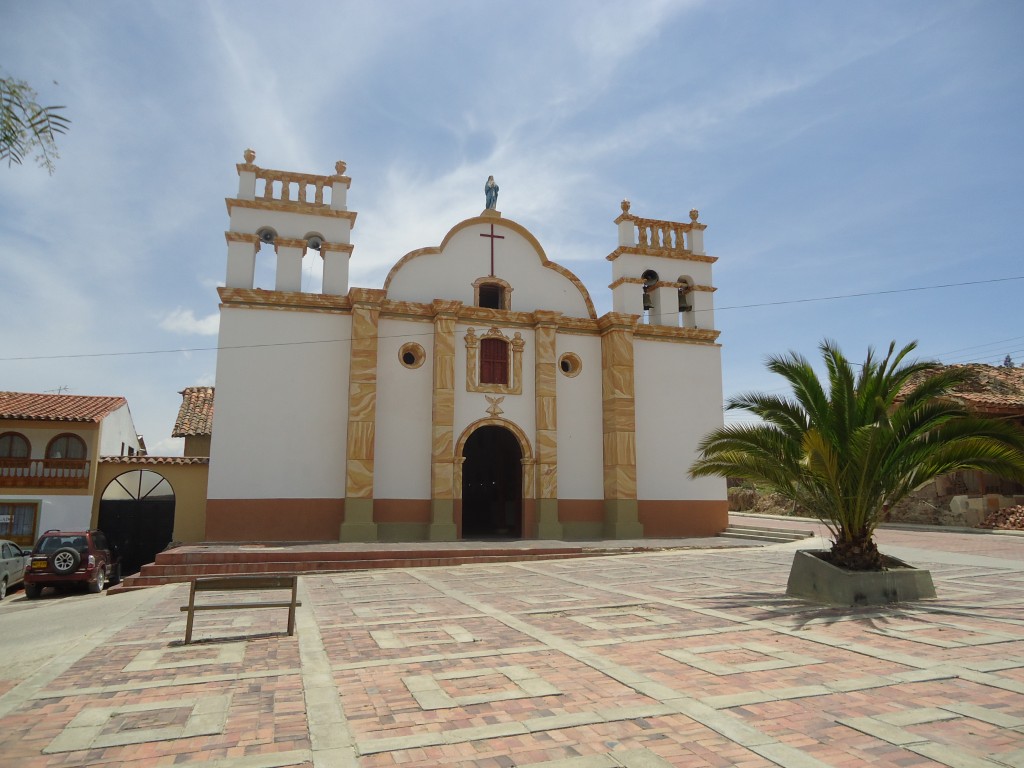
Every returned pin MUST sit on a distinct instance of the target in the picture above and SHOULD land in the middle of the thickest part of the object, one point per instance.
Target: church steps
(171, 567)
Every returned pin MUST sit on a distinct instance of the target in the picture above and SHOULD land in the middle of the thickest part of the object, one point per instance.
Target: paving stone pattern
(676, 658)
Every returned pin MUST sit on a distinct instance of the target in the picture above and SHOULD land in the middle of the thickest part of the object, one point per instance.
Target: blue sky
(831, 147)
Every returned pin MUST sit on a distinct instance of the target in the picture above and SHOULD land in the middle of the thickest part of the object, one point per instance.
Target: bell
(683, 306)
(648, 305)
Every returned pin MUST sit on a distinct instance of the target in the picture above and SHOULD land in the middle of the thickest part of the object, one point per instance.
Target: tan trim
(290, 206)
(515, 227)
(255, 298)
(241, 237)
(326, 247)
(268, 520)
(636, 250)
(618, 407)
(673, 333)
(627, 281)
(362, 395)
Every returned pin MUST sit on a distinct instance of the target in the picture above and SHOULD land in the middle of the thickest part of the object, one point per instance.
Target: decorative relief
(493, 408)
(515, 346)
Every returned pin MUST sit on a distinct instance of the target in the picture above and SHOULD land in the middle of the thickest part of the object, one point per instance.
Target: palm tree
(849, 451)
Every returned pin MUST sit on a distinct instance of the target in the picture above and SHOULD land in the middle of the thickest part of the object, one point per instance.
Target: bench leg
(191, 613)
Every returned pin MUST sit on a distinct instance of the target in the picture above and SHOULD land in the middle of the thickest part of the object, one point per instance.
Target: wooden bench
(241, 584)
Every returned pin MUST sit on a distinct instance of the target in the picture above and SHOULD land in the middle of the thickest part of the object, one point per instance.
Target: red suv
(63, 559)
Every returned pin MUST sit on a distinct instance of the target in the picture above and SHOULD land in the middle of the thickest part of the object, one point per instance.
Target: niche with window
(494, 362)
(492, 293)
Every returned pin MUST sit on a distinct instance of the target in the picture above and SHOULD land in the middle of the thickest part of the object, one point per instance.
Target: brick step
(158, 574)
(175, 557)
(763, 533)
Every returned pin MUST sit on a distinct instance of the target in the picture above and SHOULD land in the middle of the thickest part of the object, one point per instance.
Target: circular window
(570, 364)
(412, 355)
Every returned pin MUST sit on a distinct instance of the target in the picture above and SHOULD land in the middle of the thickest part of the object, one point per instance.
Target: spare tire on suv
(62, 559)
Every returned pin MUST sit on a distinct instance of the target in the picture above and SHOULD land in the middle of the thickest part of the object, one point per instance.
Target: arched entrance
(137, 514)
(492, 484)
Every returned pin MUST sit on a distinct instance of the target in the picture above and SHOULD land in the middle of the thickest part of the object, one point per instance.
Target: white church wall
(678, 401)
(580, 447)
(281, 416)
(472, 406)
(467, 255)
(291, 225)
(404, 400)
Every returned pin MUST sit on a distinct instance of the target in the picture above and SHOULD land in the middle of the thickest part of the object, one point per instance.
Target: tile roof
(40, 407)
(990, 388)
(159, 460)
(195, 416)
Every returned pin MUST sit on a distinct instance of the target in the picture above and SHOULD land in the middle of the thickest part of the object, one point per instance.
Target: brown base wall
(274, 519)
(669, 519)
(320, 519)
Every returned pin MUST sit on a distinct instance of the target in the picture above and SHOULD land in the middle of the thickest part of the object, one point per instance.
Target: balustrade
(663, 235)
(293, 187)
(44, 473)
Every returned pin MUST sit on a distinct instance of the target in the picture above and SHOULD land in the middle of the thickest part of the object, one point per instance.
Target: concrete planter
(811, 578)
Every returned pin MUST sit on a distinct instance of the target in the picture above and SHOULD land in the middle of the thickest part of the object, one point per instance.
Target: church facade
(476, 394)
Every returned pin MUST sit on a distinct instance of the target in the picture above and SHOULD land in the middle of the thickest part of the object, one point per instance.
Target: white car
(13, 561)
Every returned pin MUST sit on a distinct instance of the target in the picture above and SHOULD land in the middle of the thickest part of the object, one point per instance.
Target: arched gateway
(492, 484)
(137, 514)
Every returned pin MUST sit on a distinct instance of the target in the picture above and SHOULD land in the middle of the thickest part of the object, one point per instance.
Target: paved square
(672, 658)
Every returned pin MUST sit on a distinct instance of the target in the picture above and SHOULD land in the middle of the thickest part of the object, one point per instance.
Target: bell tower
(660, 271)
(292, 212)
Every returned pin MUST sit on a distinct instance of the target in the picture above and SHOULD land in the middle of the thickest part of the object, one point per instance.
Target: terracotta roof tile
(40, 407)
(195, 416)
(990, 388)
(150, 460)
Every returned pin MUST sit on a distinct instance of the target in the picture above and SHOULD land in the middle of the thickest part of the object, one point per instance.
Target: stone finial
(694, 213)
(249, 156)
(625, 206)
(340, 167)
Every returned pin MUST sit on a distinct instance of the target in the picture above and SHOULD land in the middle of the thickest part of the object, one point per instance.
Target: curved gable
(450, 270)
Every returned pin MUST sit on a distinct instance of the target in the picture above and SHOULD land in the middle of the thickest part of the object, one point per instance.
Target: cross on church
(493, 237)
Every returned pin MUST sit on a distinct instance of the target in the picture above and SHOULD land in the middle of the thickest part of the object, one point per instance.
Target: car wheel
(3, 588)
(32, 591)
(65, 560)
(95, 587)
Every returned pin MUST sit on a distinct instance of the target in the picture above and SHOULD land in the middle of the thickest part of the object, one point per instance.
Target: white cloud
(182, 320)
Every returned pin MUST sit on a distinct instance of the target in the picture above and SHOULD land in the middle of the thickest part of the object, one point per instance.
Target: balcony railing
(44, 473)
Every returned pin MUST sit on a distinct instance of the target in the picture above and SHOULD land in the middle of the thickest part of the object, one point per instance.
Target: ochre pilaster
(619, 425)
(546, 492)
(442, 457)
(362, 415)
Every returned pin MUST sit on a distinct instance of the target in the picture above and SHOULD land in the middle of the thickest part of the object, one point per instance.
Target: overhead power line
(430, 333)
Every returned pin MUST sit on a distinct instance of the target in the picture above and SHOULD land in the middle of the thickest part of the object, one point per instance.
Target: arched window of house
(494, 361)
(66, 446)
(14, 445)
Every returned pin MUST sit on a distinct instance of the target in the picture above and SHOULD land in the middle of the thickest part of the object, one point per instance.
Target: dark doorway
(137, 514)
(492, 495)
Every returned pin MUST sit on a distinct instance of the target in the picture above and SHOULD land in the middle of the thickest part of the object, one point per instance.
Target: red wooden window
(494, 362)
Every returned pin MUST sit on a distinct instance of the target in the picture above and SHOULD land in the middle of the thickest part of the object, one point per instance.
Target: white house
(50, 446)
(476, 394)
